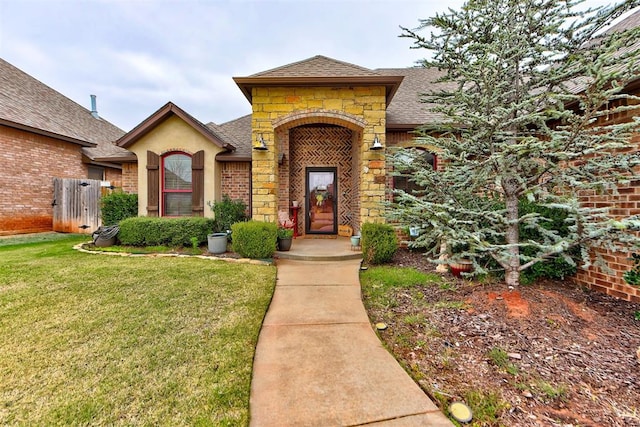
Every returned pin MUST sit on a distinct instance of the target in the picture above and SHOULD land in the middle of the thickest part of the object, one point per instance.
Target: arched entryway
(319, 170)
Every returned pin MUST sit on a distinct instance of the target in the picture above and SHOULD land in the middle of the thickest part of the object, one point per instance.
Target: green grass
(487, 405)
(378, 281)
(101, 340)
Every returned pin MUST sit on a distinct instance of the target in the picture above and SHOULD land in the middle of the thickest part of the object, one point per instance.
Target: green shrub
(379, 243)
(227, 212)
(553, 268)
(147, 231)
(254, 239)
(118, 206)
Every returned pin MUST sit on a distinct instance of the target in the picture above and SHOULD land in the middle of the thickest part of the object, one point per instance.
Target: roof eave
(42, 132)
(391, 83)
(230, 157)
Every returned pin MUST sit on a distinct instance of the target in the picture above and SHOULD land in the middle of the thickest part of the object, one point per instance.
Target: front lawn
(103, 340)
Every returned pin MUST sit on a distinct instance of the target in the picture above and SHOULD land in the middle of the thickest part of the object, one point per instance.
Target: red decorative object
(294, 212)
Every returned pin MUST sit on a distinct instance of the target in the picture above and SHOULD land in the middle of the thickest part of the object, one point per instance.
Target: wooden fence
(76, 205)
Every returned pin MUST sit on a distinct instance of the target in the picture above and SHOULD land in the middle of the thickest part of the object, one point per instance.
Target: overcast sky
(138, 55)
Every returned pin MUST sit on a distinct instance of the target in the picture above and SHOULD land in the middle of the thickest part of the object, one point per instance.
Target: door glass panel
(322, 201)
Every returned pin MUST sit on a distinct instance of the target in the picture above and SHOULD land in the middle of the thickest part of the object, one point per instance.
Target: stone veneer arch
(331, 117)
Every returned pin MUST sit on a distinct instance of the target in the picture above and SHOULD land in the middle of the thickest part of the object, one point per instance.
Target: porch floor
(321, 249)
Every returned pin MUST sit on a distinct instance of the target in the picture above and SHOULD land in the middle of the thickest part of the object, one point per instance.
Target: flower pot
(217, 243)
(294, 203)
(355, 241)
(284, 244)
(460, 267)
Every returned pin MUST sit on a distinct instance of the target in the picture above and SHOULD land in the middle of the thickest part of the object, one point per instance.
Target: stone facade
(277, 110)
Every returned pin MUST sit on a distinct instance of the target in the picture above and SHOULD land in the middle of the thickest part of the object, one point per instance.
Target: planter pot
(284, 244)
(460, 267)
(217, 243)
(355, 241)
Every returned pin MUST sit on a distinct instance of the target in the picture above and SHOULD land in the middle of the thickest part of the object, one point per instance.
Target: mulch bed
(573, 354)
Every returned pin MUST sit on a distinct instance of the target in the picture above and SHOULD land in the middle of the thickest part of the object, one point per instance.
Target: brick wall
(29, 164)
(236, 181)
(114, 176)
(623, 204)
(130, 177)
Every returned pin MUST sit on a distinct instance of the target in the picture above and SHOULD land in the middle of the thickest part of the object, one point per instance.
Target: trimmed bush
(117, 206)
(379, 243)
(254, 239)
(227, 212)
(147, 231)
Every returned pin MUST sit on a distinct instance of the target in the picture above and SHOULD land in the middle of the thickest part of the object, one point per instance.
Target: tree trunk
(512, 270)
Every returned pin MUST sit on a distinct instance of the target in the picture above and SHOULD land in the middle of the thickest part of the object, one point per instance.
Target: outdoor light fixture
(376, 144)
(261, 146)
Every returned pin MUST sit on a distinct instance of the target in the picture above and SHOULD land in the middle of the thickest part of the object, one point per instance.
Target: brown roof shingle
(318, 66)
(27, 102)
(406, 110)
(238, 131)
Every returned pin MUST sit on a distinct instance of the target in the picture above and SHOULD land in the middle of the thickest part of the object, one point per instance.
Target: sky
(137, 55)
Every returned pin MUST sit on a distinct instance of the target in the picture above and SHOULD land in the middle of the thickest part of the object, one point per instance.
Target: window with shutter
(177, 184)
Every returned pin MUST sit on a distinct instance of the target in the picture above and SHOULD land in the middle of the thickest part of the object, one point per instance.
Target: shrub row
(147, 231)
(254, 239)
(117, 206)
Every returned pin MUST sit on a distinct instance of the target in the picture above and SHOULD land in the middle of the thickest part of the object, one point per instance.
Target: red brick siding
(114, 176)
(130, 178)
(29, 164)
(236, 181)
(625, 203)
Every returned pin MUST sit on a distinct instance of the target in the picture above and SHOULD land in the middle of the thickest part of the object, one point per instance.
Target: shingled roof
(318, 71)
(28, 104)
(406, 110)
(318, 66)
(239, 132)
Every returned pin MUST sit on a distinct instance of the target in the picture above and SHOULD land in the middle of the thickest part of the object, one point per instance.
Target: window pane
(177, 172)
(177, 204)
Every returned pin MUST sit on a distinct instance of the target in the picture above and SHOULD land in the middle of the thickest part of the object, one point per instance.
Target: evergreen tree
(525, 91)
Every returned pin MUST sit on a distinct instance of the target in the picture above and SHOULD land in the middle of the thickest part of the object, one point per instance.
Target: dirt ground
(555, 354)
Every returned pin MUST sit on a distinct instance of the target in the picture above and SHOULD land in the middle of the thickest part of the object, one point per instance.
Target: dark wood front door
(322, 204)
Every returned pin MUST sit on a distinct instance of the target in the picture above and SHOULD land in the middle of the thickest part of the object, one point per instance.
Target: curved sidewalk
(319, 363)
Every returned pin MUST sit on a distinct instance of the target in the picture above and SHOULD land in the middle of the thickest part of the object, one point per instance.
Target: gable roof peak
(167, 110)
(318, 66)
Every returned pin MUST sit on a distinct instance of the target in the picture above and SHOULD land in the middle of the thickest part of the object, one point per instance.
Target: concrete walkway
(319, 363)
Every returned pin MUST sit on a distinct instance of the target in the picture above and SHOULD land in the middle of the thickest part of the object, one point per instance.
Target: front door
(322, 208)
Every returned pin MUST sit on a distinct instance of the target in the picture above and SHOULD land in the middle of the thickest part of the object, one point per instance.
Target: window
(414, 158)
(96, 173)
(176, 185)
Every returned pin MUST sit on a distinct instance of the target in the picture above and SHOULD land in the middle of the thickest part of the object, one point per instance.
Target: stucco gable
(165, 112)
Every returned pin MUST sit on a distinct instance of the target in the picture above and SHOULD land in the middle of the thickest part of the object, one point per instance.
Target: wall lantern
(376, 144)
(261, 145)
